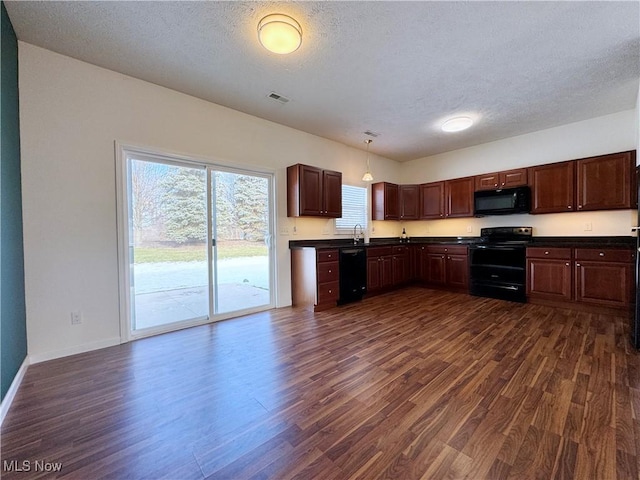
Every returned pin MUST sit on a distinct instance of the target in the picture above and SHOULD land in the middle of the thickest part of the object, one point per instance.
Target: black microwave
(505, 201)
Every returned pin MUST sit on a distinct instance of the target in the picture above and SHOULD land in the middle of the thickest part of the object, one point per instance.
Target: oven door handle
(494, 247)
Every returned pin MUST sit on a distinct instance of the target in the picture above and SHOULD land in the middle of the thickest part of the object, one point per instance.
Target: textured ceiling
(396, 68)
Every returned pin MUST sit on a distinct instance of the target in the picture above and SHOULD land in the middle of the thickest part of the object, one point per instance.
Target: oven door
(498, 271)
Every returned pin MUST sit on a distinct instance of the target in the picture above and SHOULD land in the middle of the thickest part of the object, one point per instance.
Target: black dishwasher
(353, 274)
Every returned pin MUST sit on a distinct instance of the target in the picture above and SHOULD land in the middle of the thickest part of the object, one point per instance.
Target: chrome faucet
(356, 236)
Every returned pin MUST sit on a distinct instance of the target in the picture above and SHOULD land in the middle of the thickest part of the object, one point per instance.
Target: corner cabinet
(385, 201)
(313, 192)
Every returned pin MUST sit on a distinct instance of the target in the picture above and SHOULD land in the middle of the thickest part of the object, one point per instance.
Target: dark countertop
(567, 242)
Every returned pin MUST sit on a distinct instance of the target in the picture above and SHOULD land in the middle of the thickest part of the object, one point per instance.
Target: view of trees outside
(168, 205)
(168, 228)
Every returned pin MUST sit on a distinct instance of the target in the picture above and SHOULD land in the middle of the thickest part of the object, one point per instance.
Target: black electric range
(497, 263)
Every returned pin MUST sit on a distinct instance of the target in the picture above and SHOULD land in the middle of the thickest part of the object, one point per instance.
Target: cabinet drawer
(555, 252)
(400, 250)
(378, 251)
(327, 256)
(605, 255)
(328, 272)
(328, 292)
(450, 249)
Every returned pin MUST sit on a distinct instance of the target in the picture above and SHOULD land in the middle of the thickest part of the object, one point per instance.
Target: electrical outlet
(373, 228)
(469, 229)
(284, 230)
(76, 317)
(295, 230)
(588, 226)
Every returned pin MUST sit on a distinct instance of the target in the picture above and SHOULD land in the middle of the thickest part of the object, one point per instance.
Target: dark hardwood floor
(412, 384)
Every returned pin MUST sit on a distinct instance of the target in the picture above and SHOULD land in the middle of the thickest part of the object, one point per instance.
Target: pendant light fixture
(367, 177)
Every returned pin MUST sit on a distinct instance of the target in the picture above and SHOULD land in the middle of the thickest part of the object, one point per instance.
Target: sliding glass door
(198, 242)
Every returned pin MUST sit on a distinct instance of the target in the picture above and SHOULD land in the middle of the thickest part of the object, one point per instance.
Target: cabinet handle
(329, 291)
(495, 184)
(446, 249)
(569, 207)
(567, 264)
(442, 256)
(441, 215)
(329, 256)
(579, 207)
(577, 264)
(503, 184)
(422, 248)
(601, 254)
(448, 258)
(329, 271)
(546, 253)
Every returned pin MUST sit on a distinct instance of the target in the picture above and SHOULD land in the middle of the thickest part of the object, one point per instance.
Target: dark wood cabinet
(604, 277)
(314, 192)
(446, 266)
(504, 179)
(385, 201)
(432, 200)
(581, 276)
(552, 187)
(315, 278)
(400, 265)
(457, 268)
(459, 197)
(409, 202)
(379, 268)
(605, 182)
(549, 273)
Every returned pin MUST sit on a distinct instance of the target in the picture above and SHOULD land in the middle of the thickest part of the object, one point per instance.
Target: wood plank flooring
(411, 384)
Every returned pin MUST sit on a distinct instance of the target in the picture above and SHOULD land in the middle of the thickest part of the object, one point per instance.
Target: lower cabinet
(584, 276)
(400, 269)
(379, 268)
(549, 273)
(447, 266)
(604, 277)
(315, 278)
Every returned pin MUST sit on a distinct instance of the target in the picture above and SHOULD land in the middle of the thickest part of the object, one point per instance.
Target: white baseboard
(13, 389)
(85, 347)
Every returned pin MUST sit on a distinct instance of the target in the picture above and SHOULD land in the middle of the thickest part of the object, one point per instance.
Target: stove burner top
(505, 235)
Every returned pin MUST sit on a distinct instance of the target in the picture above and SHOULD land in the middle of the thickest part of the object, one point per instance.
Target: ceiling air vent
(278, 98)
(371, 134)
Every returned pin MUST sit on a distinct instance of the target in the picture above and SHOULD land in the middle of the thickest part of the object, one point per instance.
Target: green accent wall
(13, 324)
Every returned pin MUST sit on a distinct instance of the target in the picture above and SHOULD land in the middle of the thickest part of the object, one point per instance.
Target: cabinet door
(432, 200)
(409, 202)
(400, 267)
(423, 264)
(384, 201)
(552, 187)
(373, 274)
(386, 271)
(604, 183)
(488, 181)
(457, 271)
(436, 269)
(311, 198)
(602, 283)
(332, 191)
(513, 178)
(459, 197)
(549, 279)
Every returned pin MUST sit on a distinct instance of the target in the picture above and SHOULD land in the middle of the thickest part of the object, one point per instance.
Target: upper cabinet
(552, 187)
(506, 179)
(432, 200)
(606, 182)
(459, 197)
(385, 201)
(409, 202)
(312, 191)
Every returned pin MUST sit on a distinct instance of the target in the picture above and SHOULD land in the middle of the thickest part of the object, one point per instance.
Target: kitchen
(72, 110)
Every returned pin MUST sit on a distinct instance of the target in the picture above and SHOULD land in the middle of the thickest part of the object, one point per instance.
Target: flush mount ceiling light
(280, 33)
(457, 124)
(367, 177)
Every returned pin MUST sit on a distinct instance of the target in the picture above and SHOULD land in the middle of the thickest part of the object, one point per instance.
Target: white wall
(601, 135)
(71, 113)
